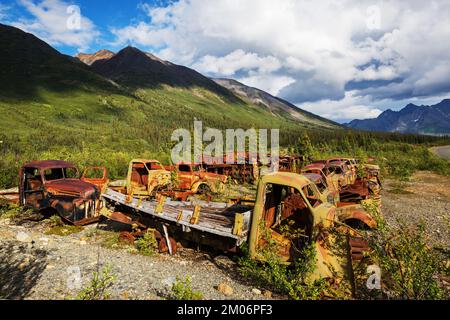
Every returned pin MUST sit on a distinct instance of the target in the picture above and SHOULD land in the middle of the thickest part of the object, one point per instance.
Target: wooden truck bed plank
(215, 218)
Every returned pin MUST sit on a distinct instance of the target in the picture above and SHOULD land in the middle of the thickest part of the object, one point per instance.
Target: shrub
(182, 290)
(55, 221)
(98, 286)
(9, 211)
(277, 276)
(410, 268)
(147, 245)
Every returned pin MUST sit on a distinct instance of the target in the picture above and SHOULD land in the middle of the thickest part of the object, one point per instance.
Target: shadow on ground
(20, 269)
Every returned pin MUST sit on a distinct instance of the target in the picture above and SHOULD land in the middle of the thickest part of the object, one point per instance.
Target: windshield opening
(60, 173)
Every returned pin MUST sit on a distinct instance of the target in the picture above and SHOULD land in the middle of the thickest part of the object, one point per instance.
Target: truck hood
(71, 187)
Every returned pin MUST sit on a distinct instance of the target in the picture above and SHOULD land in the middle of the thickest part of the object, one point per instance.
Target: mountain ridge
(430, 120)
(132, 66)
(274, 104)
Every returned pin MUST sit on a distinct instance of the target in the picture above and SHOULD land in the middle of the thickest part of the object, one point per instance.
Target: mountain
(27, 63)
(275, 105)
(430, 120)
(136, 68)
(89, 58)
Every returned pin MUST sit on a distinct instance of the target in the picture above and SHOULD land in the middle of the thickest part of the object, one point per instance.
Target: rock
(44, 241)
(169, 281)
(25, 263)
(256, 291)
(225, 289)
(267, 294)
(23, 237)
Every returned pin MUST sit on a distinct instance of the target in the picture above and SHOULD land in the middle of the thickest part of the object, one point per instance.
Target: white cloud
(269, 83)
(348, 108)
(56, 22)
(237, 60)
(321, 45)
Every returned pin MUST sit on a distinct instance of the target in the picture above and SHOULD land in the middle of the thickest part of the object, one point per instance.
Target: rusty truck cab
(145, 177)
(329, 194)
(287, 199)
(195, 178)
(53, 186)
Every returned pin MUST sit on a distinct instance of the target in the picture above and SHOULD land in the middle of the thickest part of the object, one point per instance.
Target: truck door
(33, 188)
(97, 176)
(284, 211)
(185, 176)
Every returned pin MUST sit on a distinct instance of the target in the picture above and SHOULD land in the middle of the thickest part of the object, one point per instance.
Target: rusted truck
(353, 181)
(145, 178)
(193, 179)
(251, 170)
(284, 201)
(321, 169)
(54, 187)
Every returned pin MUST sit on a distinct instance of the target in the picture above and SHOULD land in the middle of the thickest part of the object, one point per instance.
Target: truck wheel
(204, 189)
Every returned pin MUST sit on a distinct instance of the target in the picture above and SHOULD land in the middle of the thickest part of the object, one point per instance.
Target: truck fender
(353, 216)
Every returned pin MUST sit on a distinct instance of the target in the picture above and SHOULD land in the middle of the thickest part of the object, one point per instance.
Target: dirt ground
(426, 198)
(35, 265)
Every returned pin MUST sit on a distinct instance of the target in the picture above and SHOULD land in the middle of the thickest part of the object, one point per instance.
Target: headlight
(82, 206)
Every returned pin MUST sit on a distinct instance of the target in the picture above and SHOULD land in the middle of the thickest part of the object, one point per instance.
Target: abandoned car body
(54, 187)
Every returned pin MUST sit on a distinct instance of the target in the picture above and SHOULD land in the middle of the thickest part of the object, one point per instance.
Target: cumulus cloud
(237, 60)
(58, 23)
(307, 51)
(349, 107)
(269, 83)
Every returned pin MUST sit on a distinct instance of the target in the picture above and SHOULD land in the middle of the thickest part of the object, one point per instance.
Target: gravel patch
(53, 262)
(426, 198)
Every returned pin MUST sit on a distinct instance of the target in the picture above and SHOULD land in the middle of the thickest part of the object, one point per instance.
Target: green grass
(64, 230)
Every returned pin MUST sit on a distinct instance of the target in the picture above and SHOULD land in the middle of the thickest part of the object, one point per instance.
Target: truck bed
(215, 218)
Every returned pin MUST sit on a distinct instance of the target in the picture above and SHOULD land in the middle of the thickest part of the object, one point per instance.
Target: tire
(204, 189)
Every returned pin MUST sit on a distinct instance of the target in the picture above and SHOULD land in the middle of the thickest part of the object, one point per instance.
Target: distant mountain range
(430, 120)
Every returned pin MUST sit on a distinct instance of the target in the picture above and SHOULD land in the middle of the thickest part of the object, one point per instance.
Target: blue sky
(339, 59)
(105, 14)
